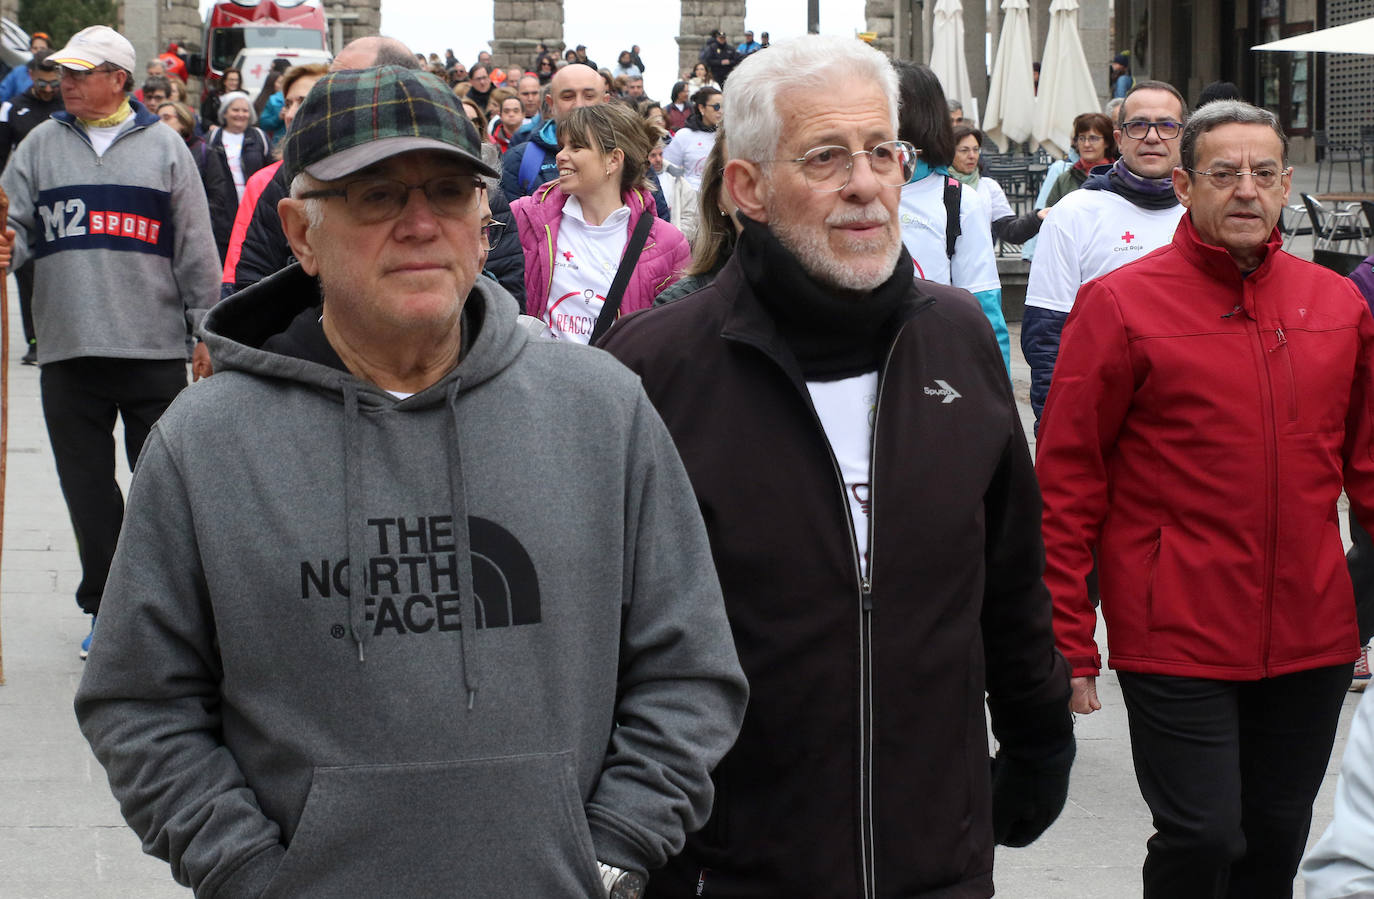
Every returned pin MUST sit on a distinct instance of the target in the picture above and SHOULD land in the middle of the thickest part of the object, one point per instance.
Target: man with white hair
(812, 378)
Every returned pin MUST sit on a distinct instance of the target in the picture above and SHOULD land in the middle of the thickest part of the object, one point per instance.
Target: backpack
(953, 192)
(530, 164)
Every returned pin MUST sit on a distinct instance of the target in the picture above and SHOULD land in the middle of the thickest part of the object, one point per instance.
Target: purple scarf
(1147, 193)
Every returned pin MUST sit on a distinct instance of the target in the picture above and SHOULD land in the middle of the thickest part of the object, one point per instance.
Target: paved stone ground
(61, 834)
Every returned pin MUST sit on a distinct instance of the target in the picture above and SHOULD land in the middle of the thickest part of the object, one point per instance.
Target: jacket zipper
(1282, 344)
(867, 837)
(1270, 501)
(548, 288)
(864, 582)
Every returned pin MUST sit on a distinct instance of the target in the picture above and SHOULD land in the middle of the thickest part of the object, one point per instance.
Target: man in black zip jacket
(858, 458)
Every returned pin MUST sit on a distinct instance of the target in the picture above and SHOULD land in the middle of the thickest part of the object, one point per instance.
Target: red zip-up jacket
(1199, 429)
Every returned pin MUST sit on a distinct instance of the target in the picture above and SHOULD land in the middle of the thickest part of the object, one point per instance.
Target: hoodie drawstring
(463, 551)
(353, 518)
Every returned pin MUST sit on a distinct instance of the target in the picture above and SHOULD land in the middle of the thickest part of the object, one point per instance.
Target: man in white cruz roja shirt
(1115, 219)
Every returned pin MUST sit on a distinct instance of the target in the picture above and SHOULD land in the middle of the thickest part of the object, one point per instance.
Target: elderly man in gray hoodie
(389, 617)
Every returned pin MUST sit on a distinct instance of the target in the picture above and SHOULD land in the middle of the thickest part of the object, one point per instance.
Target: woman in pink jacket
(575, 231)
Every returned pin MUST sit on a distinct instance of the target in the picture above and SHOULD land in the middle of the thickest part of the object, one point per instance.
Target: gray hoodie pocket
(486, 827)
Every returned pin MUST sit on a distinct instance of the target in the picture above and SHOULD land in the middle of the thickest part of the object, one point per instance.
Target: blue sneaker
(86, 643)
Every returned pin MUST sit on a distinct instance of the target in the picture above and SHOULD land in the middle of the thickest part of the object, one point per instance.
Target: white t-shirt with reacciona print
(846, 408)
(1089, 233)
(584, 265)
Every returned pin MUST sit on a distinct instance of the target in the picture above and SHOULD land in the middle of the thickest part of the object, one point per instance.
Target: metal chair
(1331, 226)
(1332, 155)
(1293, 228)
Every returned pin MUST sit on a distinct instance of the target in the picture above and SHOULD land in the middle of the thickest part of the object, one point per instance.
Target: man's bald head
(372, 51)
(574, 86)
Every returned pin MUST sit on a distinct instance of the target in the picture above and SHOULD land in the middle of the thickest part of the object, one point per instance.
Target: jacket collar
(551, 197)
(1214, 260)
(141, 117)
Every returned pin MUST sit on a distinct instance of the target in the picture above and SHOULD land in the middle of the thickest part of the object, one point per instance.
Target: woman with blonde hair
(594, 249)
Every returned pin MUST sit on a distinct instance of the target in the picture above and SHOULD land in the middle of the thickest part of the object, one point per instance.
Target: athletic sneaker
(86, 645)
(1360, 679)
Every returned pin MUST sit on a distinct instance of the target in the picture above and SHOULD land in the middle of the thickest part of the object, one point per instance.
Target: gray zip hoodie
(292, 691)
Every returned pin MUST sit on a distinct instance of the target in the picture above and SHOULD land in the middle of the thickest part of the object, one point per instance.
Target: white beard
(868, 263)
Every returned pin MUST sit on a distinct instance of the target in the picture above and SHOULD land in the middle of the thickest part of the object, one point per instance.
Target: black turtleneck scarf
(834, 334)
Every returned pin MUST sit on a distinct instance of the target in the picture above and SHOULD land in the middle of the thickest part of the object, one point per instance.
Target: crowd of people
(415, 564)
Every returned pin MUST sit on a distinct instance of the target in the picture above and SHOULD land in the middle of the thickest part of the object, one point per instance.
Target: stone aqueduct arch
(521, 24)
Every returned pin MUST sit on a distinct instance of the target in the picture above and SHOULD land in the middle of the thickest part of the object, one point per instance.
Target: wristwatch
(620, 883)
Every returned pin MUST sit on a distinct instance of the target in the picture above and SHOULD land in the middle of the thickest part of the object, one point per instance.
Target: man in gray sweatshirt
(390, 617)
(109, 206)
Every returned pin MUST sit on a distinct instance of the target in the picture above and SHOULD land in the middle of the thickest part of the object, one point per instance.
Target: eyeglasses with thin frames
(374, 200)
(491, 233)
(1265, 179)
(828, 169)
(1141, 130)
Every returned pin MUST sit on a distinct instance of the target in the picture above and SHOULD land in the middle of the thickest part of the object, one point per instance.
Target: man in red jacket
(1210, 402)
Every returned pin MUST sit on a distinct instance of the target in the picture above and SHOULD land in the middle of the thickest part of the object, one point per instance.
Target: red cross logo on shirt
(567, 254)
(1128, 237)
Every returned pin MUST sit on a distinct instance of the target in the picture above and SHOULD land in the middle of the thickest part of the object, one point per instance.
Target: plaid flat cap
(352, 119)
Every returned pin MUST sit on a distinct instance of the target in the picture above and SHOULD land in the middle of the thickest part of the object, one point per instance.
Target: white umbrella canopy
(1066, 85)
(947, 53)
(1010, 115)
(1354, 37)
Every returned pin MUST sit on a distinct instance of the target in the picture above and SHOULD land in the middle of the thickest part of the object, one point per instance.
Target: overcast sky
(606, 28)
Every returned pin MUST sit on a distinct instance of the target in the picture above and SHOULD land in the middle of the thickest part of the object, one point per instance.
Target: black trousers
(1360, 561)
(1229, 770)
(23, 277)
(81, 398)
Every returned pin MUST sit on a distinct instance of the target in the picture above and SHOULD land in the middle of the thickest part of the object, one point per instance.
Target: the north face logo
(943, 389)
(412, 577)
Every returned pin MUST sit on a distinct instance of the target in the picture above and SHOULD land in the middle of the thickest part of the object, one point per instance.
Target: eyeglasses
(715, 106)
(1141, 130)
(972, 151)
(373, 200)
(828, 169)
(47, 83)
(1091, 138)
(1265, 179)
(79, 75)
(491, 233)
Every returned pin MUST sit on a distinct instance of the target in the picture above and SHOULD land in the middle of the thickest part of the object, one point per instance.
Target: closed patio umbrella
(1011, 100)
(1066, 85)
(947, 53)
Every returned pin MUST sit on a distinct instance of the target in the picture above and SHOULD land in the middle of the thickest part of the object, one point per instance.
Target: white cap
(93, 46)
